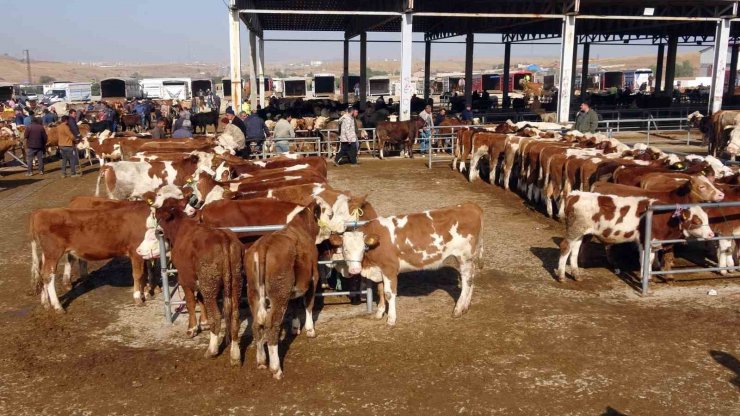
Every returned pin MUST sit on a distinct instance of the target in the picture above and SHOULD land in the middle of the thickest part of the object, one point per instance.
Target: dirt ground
(528, 345)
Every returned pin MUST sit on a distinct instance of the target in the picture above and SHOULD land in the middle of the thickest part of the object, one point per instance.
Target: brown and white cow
(89, 234)
(208, 261)
(615, 219)
(387, 246)
(282, 266)
(130, 180)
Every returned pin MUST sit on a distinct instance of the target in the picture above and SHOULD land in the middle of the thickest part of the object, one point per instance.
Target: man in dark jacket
(256, 130)
(48, 117)
(72, 121)
(467, 114)
(36, 139)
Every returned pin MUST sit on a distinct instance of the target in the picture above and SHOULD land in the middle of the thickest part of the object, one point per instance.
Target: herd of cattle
(600, 187)
(192, 194)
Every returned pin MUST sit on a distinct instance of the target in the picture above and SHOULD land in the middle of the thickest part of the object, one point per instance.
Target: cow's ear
(685, 215)
(316, 211)
(336, 240)
(371, 241)
(229, 194)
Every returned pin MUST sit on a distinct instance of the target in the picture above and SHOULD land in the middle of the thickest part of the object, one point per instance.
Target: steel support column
(505, 78)
(733, 70)
(345, 73)
(584, 68)
(574, 67)
(363, 70)
(670, 64)
(252, 70)
(427, 69)
(261, 72)
(658, 80)
(469, 45)
(235, 58)
(721, 43)
(406, 61)
(566, 67)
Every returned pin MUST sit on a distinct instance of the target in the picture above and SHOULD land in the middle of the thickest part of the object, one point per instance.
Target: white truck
(67, 92)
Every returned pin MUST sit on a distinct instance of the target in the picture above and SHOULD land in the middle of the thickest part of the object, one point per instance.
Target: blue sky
(191, 30)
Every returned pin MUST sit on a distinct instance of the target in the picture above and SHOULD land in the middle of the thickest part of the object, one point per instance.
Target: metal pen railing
(165, 270)
(648, 243)
(679, 124)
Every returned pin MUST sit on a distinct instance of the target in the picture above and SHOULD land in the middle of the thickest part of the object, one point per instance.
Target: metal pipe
(647, 266)
(694, 270)
(321, 12)
(165, 277)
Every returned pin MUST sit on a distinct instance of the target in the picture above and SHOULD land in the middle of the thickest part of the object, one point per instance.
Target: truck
(379, 86)
(294, 87)
(323, 85)
(120, 88)
(176, 89)
(637, 77)
(67, 92)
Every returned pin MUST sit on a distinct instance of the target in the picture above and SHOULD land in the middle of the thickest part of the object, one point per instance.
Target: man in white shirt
(426, 131)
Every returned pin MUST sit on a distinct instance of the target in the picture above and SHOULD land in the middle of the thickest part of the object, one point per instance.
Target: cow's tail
(261, 316)
(100, 176)
(227, 277)
(36, 282)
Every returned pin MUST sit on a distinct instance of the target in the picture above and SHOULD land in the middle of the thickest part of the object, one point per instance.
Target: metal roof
(598, 20)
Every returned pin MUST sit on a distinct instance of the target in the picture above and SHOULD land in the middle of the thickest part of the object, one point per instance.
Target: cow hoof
(577, 277)
(379, 314)
(295, 331)
(60, 311)
(391, 322)
(205, 326)
(457, 313)
(192, 332)
(138, 301)
(261, 366)
(277, 375)
(311, 333)
(210, 354)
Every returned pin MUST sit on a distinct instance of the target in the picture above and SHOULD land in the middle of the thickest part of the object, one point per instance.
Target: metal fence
(165, 271)
(649, 243)
(648, 125)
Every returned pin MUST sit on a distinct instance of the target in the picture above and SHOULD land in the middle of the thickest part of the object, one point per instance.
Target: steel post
(363, 70)
(505, 78)
(566, 67)
(427, 69)
(721, 43)
(261, 72)
(469, 46)
(406, 62)
(235, 57)
(252, 70)
(584, 68)
(658, 80)
(345, 74)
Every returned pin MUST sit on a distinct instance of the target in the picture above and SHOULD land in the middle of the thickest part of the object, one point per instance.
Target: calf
(615, 219)
(89, 234)
(387, 246)
(399, 132)
(208, 261)
(282, 266)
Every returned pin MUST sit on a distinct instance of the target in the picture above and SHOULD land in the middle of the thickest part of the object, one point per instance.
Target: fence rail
(165, 271)
(648, 243)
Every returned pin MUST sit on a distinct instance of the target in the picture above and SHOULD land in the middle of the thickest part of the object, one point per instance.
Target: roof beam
(252, 21)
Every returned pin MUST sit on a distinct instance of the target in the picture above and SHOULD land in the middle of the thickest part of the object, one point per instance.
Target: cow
(486, 144)
(462, 149)
(616, 219)
(131, 122)
(714, 129)
(130, 180)
(698, 188)
(208, 260)
(387, 246)
(240, 166)
(398, 132)
(202, 144)
(632, 175)
(280, 267)
(204, 120)
(88, 234)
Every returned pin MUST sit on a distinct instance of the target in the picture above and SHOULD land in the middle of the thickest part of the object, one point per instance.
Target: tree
(685, 69)
(45, 79)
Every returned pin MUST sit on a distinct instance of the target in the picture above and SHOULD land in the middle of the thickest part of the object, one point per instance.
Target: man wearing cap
(236, 120)
(348, 134)
(256, 130)
(184, 132)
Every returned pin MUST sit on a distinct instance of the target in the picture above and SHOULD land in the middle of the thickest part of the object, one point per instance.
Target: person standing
(347, 137)
(67, 145)
(283, 131)
(467, 114)
(184, 132)
(159, 131)
(587, 121)
(36, 138)
(48, 117)
(28, 118)
(426, 131)
(236, 121)
(257, 131)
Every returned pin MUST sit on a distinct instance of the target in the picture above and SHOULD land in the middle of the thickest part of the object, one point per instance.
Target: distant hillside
(14, 70)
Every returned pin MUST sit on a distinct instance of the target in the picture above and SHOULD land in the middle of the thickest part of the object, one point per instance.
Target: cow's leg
(575, 247)
(193, 327)
(390, 293)
(203, 321)
(67, 273)
(82, 265)
(308, 299)
(137, 272)
(273, 336)
(214, 316)
(381, 301)
(258, 332)
(724, 255)
(466, 277)
(610, 259)
(669, 258)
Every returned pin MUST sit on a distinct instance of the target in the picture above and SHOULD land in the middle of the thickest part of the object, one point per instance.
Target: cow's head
(326, 221)
(156, 200)
(703, 188)
(695, 118)
(353, 245)
(693, 222)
